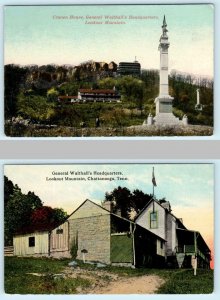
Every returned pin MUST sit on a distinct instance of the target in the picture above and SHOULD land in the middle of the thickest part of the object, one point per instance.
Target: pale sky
(188, 187)
(34, 35)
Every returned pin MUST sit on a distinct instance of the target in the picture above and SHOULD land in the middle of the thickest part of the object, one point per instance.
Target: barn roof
(36, 228)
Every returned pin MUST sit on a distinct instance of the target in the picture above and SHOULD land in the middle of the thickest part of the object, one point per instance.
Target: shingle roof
(67, 97)
(97, 91)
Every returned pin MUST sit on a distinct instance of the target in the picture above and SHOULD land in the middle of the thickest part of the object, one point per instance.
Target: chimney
(107, 205)
(166, 205)
(181, 220)
(118, 212)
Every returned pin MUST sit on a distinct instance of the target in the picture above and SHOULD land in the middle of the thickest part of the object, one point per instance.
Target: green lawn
(183, 281)
(18, 281)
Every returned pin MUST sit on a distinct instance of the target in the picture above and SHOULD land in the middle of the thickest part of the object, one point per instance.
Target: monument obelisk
(164, 114)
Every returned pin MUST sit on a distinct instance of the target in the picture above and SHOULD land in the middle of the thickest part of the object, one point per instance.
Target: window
(153, 220)
(59, 231)
(31, 241)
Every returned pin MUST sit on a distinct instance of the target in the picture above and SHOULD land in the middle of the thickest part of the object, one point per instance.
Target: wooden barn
(32, 241)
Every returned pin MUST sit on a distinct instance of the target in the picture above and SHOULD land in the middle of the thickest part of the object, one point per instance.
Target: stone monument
(164, 114)
(198, 105)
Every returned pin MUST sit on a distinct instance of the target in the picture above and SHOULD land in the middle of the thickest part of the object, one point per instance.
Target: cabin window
(153, 220)
(59, 231)
(31, 241)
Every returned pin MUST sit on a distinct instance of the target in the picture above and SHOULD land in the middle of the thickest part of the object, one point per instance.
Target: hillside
(31, 94)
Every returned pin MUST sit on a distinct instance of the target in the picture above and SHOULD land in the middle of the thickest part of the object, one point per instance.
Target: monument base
(166, 119)
(164, 114)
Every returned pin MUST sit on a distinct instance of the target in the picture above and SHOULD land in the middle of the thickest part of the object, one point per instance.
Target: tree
(52, 94)
(59, 215)
(42, 216)
(14, 79)
(8, 190)
(129, 203)
(121, 200)
(35, 107)
(139, 199)
(47, 216)
(26, 210)
(18, 211)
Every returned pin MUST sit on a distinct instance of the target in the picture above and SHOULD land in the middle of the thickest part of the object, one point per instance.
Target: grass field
(44, 276)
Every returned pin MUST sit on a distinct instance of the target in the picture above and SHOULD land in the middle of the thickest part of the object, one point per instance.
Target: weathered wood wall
(21, 244)
(59, 239)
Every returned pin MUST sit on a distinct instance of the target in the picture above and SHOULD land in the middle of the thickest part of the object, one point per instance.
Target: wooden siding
(121, 249)
(60, 241)
(160, 251)
(21, 244)
(144, 220)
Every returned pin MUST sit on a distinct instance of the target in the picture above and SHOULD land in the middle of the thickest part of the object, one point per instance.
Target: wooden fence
(9, 251)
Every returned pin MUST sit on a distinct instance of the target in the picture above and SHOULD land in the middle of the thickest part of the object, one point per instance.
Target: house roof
(151, 200)
(192, 232)
(117, 217)
(97, 91)
(101, 208)
(68, 97)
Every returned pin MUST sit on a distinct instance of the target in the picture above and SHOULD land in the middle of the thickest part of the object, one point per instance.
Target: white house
(182, 245)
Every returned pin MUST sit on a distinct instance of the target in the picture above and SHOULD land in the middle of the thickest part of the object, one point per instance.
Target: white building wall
(21, 244)
(144, 219)
(173, 235)
(88, 209)
(160, 251)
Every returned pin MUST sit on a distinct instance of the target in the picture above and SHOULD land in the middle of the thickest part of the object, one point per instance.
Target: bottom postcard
(109, 228)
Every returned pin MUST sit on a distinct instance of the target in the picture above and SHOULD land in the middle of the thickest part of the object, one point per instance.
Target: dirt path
(147, 284)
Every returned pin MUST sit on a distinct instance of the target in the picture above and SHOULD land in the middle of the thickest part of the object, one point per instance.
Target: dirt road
(147, 284)
(104, 282)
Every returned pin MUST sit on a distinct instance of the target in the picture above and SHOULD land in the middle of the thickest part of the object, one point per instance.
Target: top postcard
(109, 70)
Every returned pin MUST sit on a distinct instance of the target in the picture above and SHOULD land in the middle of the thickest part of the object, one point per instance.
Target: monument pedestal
(164, 114)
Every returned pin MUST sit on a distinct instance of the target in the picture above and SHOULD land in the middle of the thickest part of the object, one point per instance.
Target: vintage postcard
(109, 70)
(109, 229)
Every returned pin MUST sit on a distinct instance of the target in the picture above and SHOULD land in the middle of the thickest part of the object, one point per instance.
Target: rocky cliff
(46, 76)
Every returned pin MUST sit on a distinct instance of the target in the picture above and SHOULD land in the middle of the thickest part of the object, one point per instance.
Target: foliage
(36, 102)
(25, 210)
(14, 79)
(36, 108)
(42, 216)
(8, 190)
(126, 201)
(18, 209)
(121, 200)
(52, 94)
(184, 282)
(68, 88)
(139, 199)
